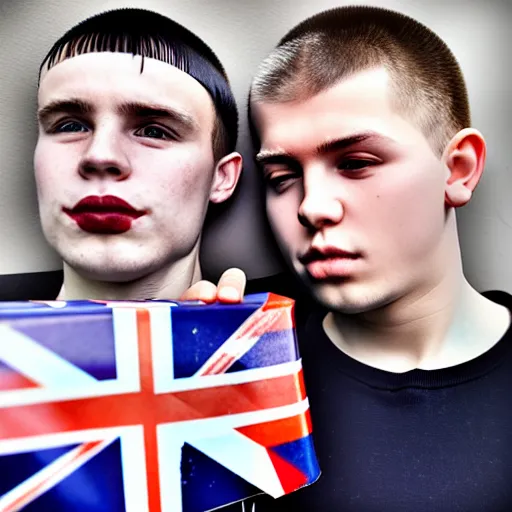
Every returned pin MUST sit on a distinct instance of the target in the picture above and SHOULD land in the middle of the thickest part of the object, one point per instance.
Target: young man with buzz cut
(362, 129)
(137, 135)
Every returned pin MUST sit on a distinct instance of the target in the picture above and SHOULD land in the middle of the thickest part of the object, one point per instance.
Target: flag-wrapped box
(150, 406)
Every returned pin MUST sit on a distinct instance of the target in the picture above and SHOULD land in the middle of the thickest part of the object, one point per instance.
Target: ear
(226, 175)
(464, 158)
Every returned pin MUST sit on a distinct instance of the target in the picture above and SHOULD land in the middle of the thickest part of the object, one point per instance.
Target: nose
(104, 156)
(319, 206)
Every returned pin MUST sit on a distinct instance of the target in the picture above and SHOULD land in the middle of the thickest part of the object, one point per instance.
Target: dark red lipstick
(105, 215)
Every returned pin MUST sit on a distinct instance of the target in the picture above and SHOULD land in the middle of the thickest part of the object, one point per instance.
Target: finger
(202, 290)
(231, 287)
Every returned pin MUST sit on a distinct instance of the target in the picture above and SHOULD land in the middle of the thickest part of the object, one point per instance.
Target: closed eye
(280, 181)
(356, 168)
(352, 164)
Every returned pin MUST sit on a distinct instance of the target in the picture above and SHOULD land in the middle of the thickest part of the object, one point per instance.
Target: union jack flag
(150, 406)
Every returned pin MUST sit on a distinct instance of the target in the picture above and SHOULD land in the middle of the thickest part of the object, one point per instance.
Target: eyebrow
(276, 157)
(131, 109)
(71, 106)
(148, 110)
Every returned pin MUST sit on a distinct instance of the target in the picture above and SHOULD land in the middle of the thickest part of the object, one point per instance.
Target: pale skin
(108, 129)
(345, 170)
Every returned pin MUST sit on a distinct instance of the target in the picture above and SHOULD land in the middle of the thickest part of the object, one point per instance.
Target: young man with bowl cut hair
(361, 123)
(137, 134)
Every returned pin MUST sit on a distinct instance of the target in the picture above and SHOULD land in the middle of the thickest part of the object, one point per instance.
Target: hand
(230, 288)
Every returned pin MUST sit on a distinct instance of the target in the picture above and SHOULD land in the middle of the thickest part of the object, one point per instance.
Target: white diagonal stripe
(48, 477)
(42, 442)
(32, 396)
(226, 450)
(39, 364)
(243, 339)
(228, 379)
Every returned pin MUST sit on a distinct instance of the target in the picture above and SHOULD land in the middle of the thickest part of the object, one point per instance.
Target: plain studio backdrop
(242, 33)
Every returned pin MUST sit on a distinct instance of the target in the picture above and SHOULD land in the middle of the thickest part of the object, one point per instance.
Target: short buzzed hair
(427, 85)
(152, 35)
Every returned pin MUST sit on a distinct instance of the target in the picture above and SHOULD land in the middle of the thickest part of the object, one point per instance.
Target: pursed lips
(107, 215)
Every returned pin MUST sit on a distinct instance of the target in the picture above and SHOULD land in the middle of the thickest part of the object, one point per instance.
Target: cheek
(410, 196)
(426, 205)
(408, 216)
(53, 166)
(42, 168)
(282, 213)
(177, 180)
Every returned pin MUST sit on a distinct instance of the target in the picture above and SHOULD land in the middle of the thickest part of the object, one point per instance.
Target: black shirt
(420, 441)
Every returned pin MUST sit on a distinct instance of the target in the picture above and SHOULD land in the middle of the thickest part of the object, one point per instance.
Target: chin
(115, 269)
(116, 261)
(348, 297)
(112, 274)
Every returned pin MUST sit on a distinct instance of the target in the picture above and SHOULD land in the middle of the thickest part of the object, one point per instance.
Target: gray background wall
(242, 32)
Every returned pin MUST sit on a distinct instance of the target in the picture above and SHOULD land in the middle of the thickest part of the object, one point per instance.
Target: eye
(279, 182)
(353, 164)
(154, 132)
(70, 127)
(355, 167)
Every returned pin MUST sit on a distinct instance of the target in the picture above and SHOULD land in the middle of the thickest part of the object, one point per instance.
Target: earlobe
(465, 160)
(225, 180)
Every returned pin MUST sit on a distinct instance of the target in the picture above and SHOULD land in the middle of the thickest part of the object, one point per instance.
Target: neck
(167, 283)
(447, 323)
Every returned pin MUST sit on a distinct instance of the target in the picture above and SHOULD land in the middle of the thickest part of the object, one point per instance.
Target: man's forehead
(361, 103)
(108, 76)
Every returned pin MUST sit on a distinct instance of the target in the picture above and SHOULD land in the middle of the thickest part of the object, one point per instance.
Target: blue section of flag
(195, 341)
(21, 466)
(85, 341)
(301, 454)
(95, 487)
(206, 484)
(256, 298)
(272, 348)
(13, 307)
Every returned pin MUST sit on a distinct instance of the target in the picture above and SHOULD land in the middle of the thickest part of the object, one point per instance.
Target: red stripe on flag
(274, 433)
(223, 363)
(150, 434)
(277, 301)
(290, 477)
(147, 408)
(38, 489)
(12, 381)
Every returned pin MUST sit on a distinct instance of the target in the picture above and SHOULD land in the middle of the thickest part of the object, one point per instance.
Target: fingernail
(229, 293)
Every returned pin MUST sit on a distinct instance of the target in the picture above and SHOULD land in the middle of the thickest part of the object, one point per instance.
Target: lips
(107, 215)
(330, 263)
